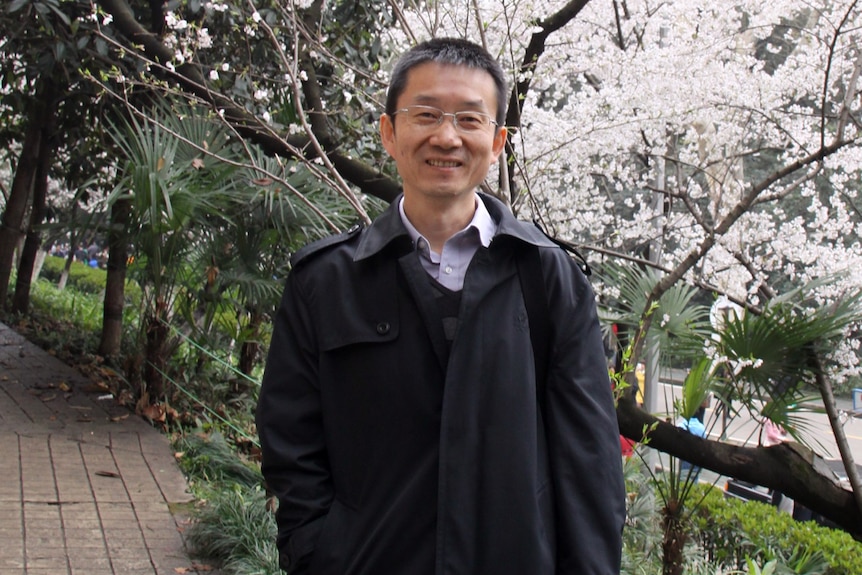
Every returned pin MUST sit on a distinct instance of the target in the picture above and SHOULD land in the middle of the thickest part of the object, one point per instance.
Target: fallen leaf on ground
(107, 474)
(97, 387)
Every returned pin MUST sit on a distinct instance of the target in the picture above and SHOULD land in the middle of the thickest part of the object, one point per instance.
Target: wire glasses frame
(467, 121)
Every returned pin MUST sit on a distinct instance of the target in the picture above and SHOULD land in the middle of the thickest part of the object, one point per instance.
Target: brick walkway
(86, 487)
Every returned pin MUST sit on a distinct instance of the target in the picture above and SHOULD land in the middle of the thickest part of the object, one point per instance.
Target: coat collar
(388, 227)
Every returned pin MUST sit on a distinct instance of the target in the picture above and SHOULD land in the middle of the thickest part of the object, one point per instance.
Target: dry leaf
(107, 474)
(96, 387)
(154, 412)
(108, 372)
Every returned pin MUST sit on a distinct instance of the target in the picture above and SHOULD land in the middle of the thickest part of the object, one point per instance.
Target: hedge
(730, 528)
(84, 278)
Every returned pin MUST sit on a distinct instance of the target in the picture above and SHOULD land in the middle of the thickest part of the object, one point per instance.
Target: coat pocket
(298, 547)
(354, 330)
(334, 543)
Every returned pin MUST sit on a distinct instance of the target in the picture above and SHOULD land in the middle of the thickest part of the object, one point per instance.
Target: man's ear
(499, 143)
(387, 133)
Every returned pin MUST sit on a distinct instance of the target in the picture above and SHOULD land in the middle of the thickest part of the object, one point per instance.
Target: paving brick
(86, 484)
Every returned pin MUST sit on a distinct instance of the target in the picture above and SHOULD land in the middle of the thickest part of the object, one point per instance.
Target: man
(402, 427)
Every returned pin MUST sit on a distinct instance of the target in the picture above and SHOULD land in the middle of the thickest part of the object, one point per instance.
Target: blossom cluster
(655, 125)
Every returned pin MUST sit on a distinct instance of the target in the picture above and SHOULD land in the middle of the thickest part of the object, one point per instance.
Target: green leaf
(696, 387)
(60, 14)
(16, 5)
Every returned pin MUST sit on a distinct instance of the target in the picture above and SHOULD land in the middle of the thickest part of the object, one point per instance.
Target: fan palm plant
(277, 209)
(177, 184)
(777, 359)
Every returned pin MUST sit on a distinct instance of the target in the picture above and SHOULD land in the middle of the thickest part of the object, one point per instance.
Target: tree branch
(188, 77)
(808, 482)
(535, 49)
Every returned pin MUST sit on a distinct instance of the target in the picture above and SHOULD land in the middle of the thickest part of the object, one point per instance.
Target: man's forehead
(430, 100)
(423, 86)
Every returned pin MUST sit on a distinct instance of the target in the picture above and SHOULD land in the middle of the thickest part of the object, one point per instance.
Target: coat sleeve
(290, 428)
(582, 431)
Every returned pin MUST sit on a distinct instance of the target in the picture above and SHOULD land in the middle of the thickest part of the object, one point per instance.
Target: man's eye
(426, 116)
(471, 120)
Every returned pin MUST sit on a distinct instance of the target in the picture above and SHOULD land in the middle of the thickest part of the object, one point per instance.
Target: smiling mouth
(443, 164)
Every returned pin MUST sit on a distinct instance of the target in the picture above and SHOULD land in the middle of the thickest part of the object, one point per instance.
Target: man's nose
(447, 130)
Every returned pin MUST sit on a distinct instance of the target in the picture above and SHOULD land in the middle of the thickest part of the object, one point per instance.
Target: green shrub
(81, 276)
(731, 529)
(84, 278)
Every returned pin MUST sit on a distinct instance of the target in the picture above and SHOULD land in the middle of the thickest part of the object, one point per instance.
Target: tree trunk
(673, 539)
(19, 199)
(39, 263)
(251, 345)
(155, 359)
(840, 437)
(115, 284)
(21, 301)
(64, 275)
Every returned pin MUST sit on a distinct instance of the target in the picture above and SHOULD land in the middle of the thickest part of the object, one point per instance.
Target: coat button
(383, 327)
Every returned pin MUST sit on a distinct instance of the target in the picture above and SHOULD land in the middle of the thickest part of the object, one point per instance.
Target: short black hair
(451, 51)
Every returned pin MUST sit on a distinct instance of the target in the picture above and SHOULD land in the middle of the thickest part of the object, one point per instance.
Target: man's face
(441, 161)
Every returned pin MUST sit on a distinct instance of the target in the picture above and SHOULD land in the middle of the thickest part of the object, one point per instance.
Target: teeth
(441, 164)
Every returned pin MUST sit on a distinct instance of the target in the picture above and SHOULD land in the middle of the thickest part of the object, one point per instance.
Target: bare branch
(188, 76)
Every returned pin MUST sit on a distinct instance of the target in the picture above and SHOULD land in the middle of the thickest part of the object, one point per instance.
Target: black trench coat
(389, 460)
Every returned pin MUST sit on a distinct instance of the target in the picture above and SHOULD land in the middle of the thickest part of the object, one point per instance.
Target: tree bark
(115, 284)
(673, 539)
(250, 348)
(11, 229)
(45, 156)
(840, 437)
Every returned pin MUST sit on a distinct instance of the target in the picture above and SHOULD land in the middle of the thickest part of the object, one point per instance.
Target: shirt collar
(389, 228)
(482, 222)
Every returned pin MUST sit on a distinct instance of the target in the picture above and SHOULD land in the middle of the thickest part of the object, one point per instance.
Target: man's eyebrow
(467, 104)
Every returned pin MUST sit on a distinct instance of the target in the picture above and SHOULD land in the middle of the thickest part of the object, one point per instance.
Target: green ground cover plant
(234, 525)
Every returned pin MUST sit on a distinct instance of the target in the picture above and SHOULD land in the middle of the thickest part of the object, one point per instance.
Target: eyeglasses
(431, 117)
